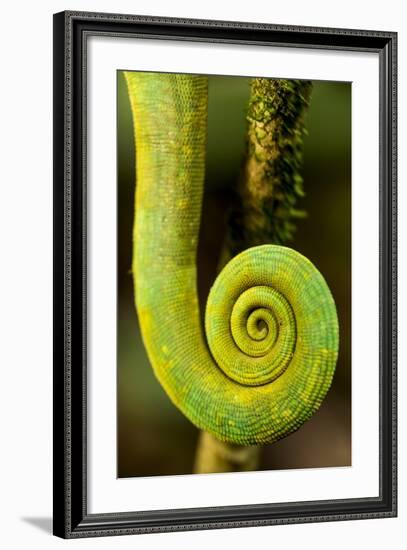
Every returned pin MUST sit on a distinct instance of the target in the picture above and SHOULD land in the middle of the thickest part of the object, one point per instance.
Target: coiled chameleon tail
(271, 321)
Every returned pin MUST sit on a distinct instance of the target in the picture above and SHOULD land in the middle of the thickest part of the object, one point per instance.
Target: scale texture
(271, 344)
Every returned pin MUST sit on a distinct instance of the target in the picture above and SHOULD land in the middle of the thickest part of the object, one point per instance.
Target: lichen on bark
(271, 182)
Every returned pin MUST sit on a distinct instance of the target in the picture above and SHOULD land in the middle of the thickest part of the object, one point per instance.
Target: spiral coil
(256, 326)
(271, 324)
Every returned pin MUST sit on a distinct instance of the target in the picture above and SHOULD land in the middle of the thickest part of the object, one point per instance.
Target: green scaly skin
(271, 321)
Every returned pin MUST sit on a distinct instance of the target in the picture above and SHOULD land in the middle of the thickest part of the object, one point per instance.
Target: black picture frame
(71, 518)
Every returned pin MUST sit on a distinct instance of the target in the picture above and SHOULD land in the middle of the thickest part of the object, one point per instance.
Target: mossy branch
(272, 181)
(265, 212)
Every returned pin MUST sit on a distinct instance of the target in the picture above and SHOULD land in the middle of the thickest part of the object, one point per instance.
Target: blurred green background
(154, 438)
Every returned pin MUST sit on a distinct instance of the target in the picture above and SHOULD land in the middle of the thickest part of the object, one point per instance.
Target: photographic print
(225, 297)
(233, 274)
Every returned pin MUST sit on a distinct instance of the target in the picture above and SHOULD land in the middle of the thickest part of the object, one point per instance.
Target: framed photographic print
(224, 274)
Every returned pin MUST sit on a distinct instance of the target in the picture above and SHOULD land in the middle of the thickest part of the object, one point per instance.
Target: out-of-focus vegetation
(154, 438)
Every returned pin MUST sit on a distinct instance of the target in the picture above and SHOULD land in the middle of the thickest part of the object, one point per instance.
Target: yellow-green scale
(270, 318)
